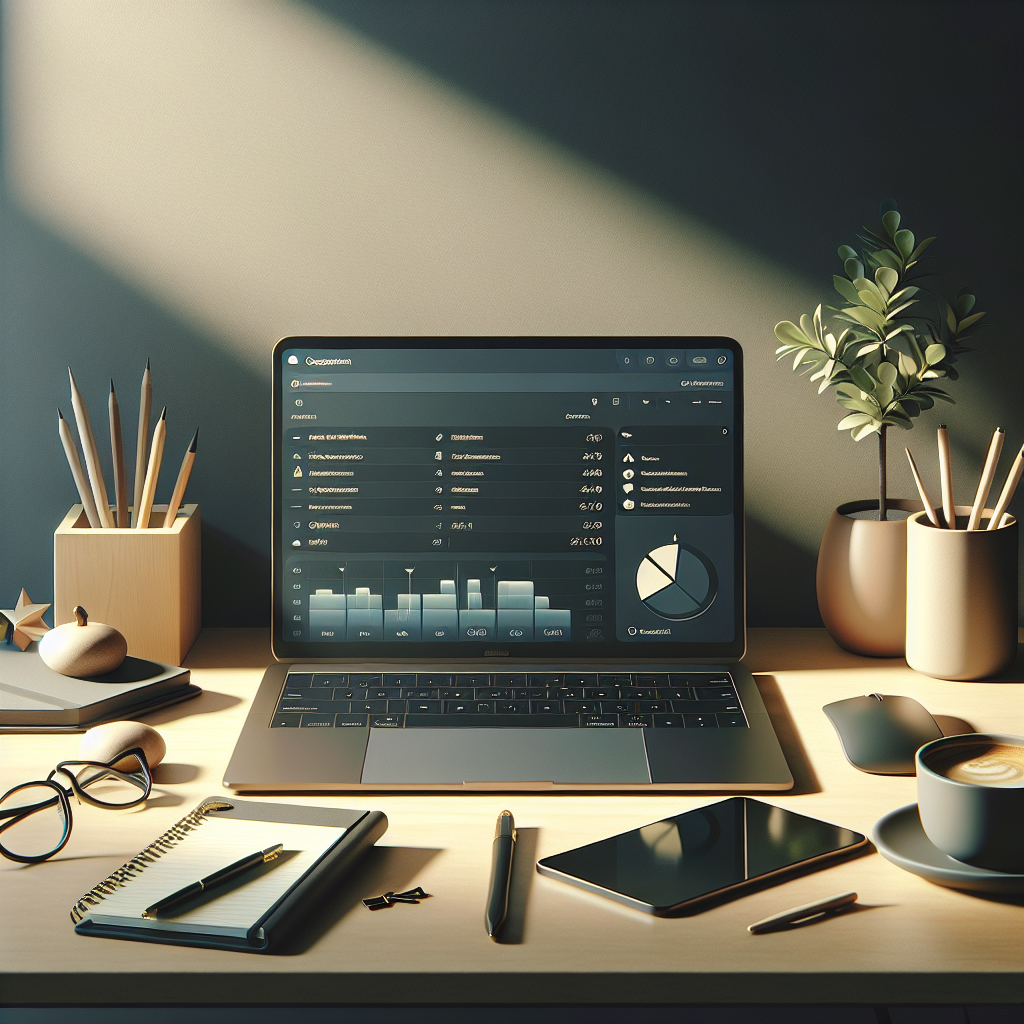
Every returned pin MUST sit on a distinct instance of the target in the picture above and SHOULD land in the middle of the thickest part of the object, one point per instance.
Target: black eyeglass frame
(142, 779)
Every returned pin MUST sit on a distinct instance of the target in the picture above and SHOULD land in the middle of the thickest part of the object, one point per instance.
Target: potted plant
(891, 347)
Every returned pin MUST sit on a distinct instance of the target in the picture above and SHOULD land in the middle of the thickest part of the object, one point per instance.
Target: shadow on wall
(61, 309)
(780, 580)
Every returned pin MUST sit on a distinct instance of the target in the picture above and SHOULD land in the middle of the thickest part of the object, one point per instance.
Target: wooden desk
(909, 941)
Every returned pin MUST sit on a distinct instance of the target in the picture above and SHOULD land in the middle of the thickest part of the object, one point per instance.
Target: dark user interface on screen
(508, 496)
(669, 862)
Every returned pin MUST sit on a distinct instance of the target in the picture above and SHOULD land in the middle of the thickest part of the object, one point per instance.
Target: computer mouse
(880, 733)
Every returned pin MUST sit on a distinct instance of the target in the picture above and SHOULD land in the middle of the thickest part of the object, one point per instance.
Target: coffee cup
(970, 796)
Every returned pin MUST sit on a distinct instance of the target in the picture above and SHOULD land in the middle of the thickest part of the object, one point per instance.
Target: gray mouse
(881, 733)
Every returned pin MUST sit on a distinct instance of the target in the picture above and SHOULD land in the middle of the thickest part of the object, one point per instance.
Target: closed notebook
(255, 912)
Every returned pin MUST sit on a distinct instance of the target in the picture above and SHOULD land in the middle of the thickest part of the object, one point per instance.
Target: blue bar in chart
(365, 615)
(326, 616)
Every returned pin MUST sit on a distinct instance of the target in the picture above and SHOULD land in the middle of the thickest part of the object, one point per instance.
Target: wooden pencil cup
(961, 597)
(145, 583)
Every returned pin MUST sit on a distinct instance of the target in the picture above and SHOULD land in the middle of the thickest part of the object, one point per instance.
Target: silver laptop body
(508, 564)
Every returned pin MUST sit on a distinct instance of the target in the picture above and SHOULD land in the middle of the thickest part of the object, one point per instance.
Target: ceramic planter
(862, 579)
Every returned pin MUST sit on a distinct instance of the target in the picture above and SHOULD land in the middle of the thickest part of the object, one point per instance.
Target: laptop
(508, 564)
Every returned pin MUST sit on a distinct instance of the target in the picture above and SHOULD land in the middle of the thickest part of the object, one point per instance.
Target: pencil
(946, 479)
(932, 518)
(156, 454)
(145, 406)
(117, 457)
(985, 483)
(179, 486)
(76, 471)
(92, 456)
(1007, 492)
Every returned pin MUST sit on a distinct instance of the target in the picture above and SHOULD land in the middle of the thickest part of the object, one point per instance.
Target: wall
(189, 180)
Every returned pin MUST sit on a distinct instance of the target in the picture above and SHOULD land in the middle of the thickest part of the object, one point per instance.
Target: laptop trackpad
(424, 756)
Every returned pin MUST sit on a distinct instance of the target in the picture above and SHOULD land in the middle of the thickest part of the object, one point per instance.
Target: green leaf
(884, 394)
(891, 221)
(862, 379)
(950, 319)
(887, 373)
(964, 324)
(807, 326)
(886, 278)
(847, 252)
(855, 419)
(887, 258)
(865, 431)
(965, 303)
(873, 300)
(899, 309)
(935, 354)
(904, 293)
(853, 267)
(858, 406)
(866, 316)
(789, 334)
(915, 255)
(845, 289)
(904, 240)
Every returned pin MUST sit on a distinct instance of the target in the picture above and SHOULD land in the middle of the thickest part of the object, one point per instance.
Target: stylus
(807, 911)
(501, 872)
(214, 881)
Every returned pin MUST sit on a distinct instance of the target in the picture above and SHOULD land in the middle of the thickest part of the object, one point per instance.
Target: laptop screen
(508, 497)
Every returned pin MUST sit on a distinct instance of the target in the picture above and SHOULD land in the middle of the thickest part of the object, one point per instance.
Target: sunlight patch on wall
(261, 172)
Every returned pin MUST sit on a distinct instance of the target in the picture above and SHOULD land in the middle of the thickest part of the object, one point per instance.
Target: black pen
(501, 872)
(217, 879)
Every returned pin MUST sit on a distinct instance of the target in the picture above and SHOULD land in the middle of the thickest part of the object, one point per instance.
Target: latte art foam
(980, 764)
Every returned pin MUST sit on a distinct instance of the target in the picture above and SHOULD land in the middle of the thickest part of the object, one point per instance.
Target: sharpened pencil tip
(999, 430)
(60, 415)
(942, 426)
(192, 444)
(163, 414)
(147, 362)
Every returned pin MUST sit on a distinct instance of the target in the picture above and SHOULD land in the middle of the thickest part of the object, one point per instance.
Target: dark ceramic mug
(970, 795)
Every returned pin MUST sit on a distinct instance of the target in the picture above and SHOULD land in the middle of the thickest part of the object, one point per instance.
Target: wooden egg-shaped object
(102, 742)
(83, 648)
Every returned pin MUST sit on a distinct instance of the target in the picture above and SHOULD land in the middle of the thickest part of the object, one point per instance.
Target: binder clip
(390, 898)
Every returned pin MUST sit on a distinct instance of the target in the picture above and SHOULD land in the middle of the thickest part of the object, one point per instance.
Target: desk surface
(907, 941)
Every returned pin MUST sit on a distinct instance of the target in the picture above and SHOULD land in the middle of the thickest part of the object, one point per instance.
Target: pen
(142, 439)
(1012, 479)
(501, 872)
(92, 456)
(179, 486)
(946, 478)
(985, 483)
(932, 517)
(117, 457)
(156, 454)
(214, 881)
(808, 910)
(76, 471)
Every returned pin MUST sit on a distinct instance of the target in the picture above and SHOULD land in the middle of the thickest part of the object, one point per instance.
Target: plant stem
(883, 500)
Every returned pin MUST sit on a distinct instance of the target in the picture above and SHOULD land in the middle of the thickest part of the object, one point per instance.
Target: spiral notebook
(263, 907)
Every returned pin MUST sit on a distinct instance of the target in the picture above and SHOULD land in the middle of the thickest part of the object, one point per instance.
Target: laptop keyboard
(416, 700)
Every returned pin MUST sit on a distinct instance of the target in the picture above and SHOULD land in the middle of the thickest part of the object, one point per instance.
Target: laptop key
(623, 679)
(652, 679)
(416, 693)
(668, 721)
(727, 721)
(700, 721)
(372, 707)
(350, 721)
(512, 707)
(457, 707)
(364, 679)
(331, 679)
(318, 721)
(286, 721)
(425, 707)
(433, 679)
(456, 694)
(473, 680)
(299, 679)
(483, 707)
(589, 679)
(544, 679)
(545, 707)
(469, 721)
(386, 721)
(492, 693)
(674, 692)
(400, 680)
(530, 693)
(649, 707)
(636, 721)
(616, 707)
(507, 680)
(599, 721)
(396, 707)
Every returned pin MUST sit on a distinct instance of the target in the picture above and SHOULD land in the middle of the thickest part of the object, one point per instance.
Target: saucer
(900, 838)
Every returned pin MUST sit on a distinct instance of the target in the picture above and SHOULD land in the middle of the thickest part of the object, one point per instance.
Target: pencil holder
(961, 597)
(145, 583)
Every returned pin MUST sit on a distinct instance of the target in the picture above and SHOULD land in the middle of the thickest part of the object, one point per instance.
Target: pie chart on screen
(676, 582)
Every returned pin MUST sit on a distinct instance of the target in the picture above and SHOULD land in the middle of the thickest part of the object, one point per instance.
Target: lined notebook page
(216, 843)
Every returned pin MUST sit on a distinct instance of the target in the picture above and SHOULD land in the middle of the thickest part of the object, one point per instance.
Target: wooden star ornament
(26, 620)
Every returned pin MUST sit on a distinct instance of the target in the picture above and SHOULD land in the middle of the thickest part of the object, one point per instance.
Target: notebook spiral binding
(151, 853)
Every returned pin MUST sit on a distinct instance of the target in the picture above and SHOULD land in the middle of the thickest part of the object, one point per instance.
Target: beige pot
(961, 598)
(861, 579)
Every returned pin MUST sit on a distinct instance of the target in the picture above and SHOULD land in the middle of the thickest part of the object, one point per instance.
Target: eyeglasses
(35, 817)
